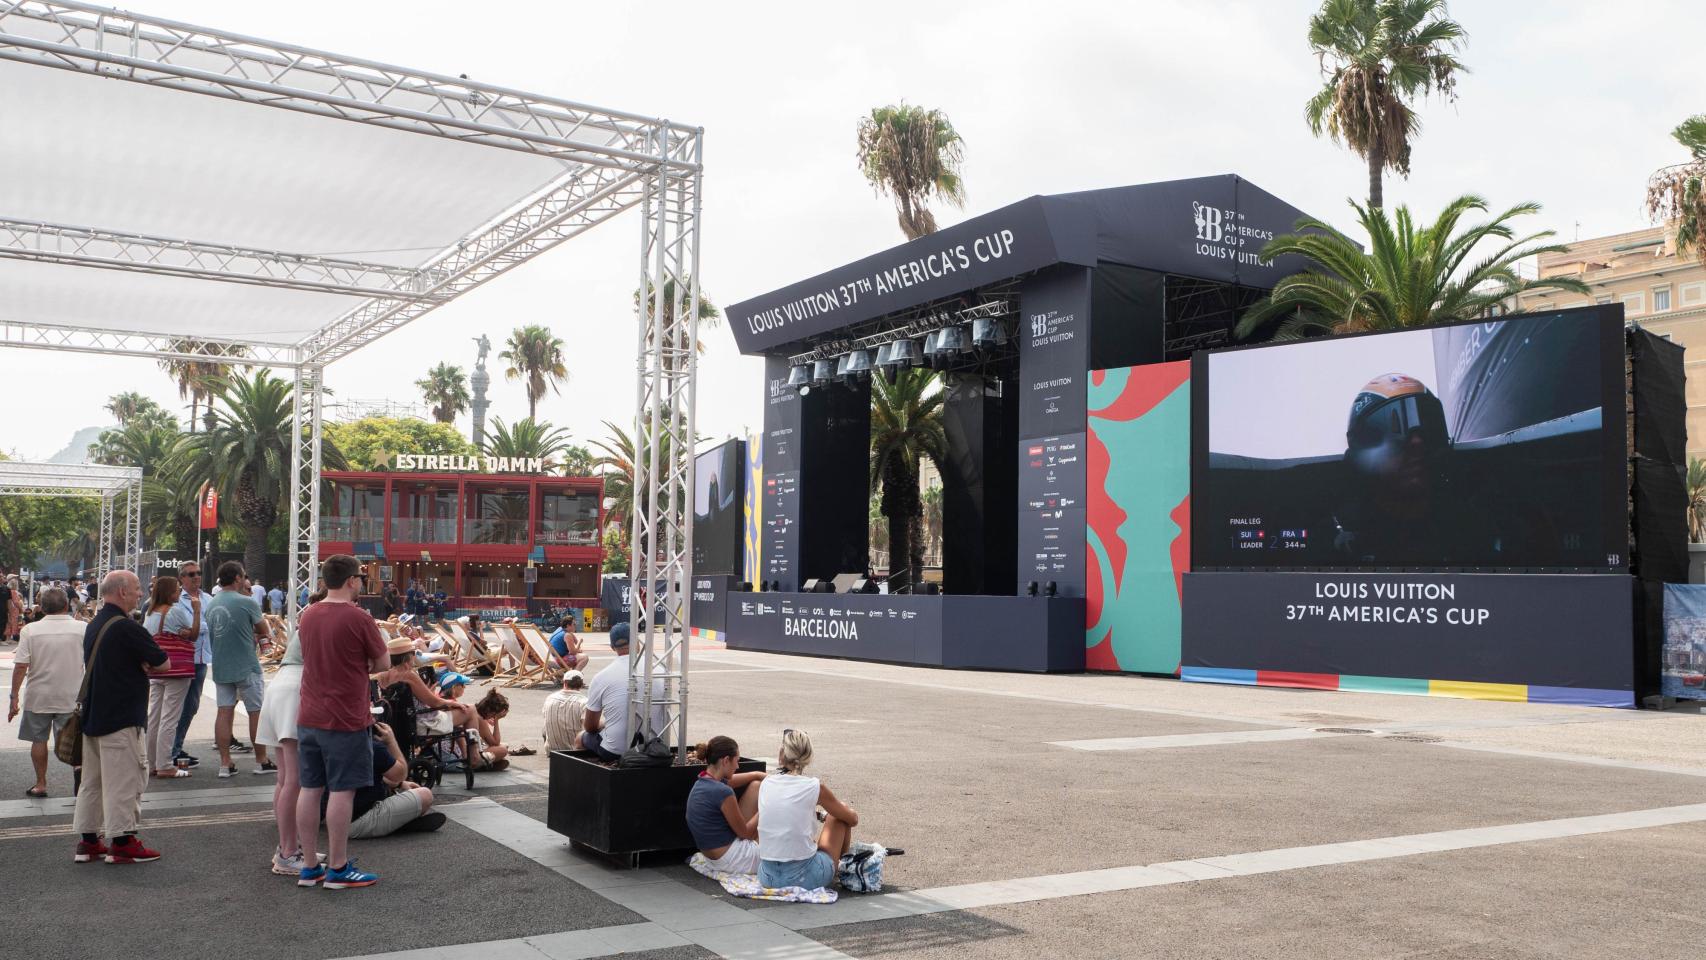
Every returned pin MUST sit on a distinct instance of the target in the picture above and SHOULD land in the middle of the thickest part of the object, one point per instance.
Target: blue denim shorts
(811, 873)
(334, 759)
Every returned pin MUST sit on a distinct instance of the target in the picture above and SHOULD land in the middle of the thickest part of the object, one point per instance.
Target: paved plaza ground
(1080, 816)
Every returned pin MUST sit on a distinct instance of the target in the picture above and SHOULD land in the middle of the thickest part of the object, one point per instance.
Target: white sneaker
(226, 773)
(292, 865)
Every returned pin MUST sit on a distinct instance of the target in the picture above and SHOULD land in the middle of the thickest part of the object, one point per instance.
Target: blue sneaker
(347, 876)
(311, 875)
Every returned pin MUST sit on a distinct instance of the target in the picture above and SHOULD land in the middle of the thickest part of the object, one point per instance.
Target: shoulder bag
(68, 742)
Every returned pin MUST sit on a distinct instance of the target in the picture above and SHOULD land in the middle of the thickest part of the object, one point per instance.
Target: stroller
(430, 755)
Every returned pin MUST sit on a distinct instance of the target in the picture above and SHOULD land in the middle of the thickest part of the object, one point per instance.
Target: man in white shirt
(605, 724)
(51, 655)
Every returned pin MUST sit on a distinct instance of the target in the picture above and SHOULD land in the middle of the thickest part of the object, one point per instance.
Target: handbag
(68, 742)
(861, 868)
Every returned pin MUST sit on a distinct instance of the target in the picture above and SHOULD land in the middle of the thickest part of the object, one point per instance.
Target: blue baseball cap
(451, 678)
(619, 635)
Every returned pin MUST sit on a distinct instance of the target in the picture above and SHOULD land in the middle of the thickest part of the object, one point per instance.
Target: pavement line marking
(1193, 739)
(1572, 758)
(1054, 886)
(162, 800)
(153, 823)
(569, 945)
(1018, 695)
(721, 927)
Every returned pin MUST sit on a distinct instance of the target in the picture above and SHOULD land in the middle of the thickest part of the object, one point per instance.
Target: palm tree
(171, 499)
(536, 356)
(877, 534)
(906, 427)
(912, 154)
(199, 380)
(1378, 56)
(1696, 500)
(1678, 192)
(125, 406)
(446, 389)
(1410, 276)
(525, 438)
(617, 464)
(933, 522)
(709, 315)
(245, 453)
(141, 443)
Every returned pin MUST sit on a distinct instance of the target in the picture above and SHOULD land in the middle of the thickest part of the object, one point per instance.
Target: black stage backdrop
(719, 496)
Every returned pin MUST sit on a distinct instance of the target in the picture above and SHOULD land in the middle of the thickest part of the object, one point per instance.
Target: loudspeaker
(1658, 458)
(820, 586)
(930, 589)
(745, 586)
(844, 582)
(865, 586)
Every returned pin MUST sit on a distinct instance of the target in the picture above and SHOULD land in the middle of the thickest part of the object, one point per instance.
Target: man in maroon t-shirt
(341, 646)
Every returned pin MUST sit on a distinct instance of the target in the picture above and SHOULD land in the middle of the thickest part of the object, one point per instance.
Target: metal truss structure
(611, 161)
(118, 489)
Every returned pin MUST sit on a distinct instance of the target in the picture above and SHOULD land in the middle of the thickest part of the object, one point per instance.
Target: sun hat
(451, 678)
(400, 645)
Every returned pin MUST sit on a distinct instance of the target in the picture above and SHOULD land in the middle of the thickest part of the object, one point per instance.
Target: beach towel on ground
(746, 885)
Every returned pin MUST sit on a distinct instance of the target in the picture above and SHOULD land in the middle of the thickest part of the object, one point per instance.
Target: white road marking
(1193, 739)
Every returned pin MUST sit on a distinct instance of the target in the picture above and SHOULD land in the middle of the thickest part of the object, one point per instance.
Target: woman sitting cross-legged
(787, 821)
(722, 809)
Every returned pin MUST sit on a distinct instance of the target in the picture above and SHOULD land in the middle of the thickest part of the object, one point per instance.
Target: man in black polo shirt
(115, 765)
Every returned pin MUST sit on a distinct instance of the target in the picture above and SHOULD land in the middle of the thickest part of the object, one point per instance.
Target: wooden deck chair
(452, 647)
(513, 665)
(274, 653)
(476, 652)
(543, 653)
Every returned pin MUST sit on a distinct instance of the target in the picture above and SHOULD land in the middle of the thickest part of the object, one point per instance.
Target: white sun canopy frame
(118, 489)
(178, 192)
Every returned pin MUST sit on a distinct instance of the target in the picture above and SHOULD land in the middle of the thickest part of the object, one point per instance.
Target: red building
(471, 535)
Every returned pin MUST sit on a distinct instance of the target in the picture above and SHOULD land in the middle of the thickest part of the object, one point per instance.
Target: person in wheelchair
(429, 728)
(407, 671)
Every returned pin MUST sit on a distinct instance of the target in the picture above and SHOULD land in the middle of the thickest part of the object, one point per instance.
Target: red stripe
(1286, 678)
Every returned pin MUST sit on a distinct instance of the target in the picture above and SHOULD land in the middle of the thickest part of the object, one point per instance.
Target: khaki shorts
(387, 816)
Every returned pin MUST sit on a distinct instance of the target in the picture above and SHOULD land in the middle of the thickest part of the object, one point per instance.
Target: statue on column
(480, 380)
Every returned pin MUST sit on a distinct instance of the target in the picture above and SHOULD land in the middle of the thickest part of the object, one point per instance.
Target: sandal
(523, 752)
(37, 794)
(173, 775)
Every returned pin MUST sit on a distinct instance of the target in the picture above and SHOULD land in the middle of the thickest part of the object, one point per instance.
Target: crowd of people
(138, 669)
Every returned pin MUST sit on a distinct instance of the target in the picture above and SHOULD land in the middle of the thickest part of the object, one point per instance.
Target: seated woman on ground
(404, 671)
(494, 755)
(787, 818)
(722, 809)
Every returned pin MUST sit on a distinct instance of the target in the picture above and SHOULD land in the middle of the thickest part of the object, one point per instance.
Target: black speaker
(930, 589)
(865, 585)
(845, 582)
(745, 586)
(820, 586)
(1031, 589)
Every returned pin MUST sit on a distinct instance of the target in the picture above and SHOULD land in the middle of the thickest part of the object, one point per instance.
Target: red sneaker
(89, 852)
(132, 852)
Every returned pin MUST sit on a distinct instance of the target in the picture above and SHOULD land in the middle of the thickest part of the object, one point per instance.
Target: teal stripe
(1383, 685)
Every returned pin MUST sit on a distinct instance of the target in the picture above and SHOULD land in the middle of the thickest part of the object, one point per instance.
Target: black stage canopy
(1207, 227)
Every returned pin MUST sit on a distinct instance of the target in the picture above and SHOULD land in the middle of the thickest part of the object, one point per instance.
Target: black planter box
(623, 811)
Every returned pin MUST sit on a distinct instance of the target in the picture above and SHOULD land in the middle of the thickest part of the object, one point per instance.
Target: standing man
(341, 646)
(275, 596)
(235, 625)
(119, 655)
(186, 621)
(51, 655)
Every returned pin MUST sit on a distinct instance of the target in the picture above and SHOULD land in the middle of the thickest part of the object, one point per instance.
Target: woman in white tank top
(790, 855)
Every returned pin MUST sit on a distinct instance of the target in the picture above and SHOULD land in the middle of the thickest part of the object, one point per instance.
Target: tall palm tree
(171, 499)
(1378, 56)
(140, 443)
(245, 454)
(906, 427)
(616, 462)
(1678, 192)
(933, 522)
(525, 438)
(912, 154)
(199, 380)
(1410, 276)
(446, 388)
(125, 406)
(536, 356)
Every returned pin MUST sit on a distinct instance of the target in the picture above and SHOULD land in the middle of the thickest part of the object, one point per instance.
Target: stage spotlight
(799, 375)
(904, 353)
(883, 350)
(986, 332)
(1049, 591)
(775, 586)
(1031, 589)
(746, 586)
(858, 364)
(841, 369)
(823, 371)
(951, 340)
(930, 344)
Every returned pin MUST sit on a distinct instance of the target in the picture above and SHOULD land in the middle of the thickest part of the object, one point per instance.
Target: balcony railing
(423, 530)
(494, 531)
(568, 536)
(352, 528)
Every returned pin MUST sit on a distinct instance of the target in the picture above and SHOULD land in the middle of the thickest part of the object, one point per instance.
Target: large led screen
(1494, 445)
(718, 488)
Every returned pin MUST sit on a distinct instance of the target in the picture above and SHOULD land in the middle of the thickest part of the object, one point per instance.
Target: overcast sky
(1569, 104)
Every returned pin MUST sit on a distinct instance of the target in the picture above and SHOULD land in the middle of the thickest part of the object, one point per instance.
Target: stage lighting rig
(799, 375)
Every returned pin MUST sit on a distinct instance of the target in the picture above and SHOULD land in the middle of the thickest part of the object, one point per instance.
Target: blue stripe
(1581, 696)
(1217, 675)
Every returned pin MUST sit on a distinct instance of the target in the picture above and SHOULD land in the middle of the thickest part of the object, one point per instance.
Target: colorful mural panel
(1138, 536)
(752, 533)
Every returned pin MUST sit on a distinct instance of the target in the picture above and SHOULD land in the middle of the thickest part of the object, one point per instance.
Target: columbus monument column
(480, 381)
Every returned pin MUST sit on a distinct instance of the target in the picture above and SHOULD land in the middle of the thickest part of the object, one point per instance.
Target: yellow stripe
(1508, 692)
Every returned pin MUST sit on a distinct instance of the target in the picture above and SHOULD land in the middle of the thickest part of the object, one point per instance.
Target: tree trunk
(255, 551)
(916, 536)
(194, 407)
(1376, 161)
(900, 505)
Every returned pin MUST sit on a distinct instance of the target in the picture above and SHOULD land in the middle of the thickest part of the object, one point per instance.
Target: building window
(1661, 299)
(1634, 304)
(1693, 294)
(1603, 299)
